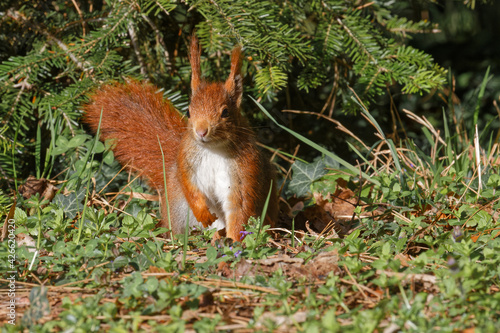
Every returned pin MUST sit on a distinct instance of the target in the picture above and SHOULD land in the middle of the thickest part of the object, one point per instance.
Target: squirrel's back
(138, 118)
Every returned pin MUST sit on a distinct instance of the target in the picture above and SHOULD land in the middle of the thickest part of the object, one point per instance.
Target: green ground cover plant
(402, 237)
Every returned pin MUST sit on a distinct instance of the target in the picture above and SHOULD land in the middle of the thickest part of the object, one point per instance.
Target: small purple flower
(244, 233)
(457, 234)
(237, 253)
(453, 264)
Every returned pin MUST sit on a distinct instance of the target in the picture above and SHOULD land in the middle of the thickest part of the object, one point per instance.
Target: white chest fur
(212, 175)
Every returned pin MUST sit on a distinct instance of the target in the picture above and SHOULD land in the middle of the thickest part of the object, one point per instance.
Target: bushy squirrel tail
(138, 118)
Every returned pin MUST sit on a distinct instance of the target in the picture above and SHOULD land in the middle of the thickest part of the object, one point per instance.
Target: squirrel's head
(214, 111)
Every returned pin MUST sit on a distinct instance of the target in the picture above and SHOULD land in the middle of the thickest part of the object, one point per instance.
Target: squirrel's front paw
(206, 218)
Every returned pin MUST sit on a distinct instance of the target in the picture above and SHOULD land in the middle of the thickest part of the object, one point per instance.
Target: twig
(356, 283)
(336, 122)
(81, 17)
(406, 278)
(158, 36)
(135, 44)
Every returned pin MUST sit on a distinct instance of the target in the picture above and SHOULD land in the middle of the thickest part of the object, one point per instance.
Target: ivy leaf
(39, 308)
(304, 175)
(70, 203)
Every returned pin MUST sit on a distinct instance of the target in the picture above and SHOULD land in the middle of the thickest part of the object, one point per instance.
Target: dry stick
(434, 149)
(84, 29)
(478, 160)
(336, 122)
(395, 111)
(231, 284)
(480, 209)
(105, 203)
(23, 84)
(356, 283)
(135, 44)
(49, 286)
(359, 194)
(494, 156)
(385, 153)
(159, 40)
(361, 287)
(332, 98)
(36, 278)
(276, 152)
(20, 283)
(393, 115)
(290, 169)
(424, 122)
(124, 187)
(336, 86)
(407, 278)
(156, 318)
(327, 101)
(468, 188)
(65, 116)
(368, 4)
(116, 175)
(498, 111)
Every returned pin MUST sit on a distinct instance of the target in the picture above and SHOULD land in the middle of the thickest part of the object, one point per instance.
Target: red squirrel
(213, 167)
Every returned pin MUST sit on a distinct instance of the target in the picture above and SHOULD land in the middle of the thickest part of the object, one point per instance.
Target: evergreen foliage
(54, 53)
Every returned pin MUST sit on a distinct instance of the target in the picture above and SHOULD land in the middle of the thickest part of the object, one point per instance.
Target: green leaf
(71, 203)
(77, 140)
(304, 175)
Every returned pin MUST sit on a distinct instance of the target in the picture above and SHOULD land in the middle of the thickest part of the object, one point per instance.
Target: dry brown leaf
(340, 205)
(323, 264)
(403, 259)
(41, 186)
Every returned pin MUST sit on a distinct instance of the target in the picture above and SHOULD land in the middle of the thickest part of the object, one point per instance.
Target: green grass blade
(348, 166)
(185, 242)
(90, 153)
(166, 193)
(391, 145)
(392, 148)
(395, 156)
(264, 210)
(38, 150)
(479, 98)
(446, 128)
(360, 155)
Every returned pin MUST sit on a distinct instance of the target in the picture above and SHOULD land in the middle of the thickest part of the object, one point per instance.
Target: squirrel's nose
(201, 129)
(202, 132)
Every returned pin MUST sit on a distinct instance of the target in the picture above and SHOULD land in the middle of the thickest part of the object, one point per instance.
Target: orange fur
(135, 115)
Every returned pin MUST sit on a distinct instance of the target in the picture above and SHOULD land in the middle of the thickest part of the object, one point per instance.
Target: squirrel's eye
(225, 113)
(187, 114)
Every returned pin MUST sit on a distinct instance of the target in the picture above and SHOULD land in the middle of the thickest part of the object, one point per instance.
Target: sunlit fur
(213, 167)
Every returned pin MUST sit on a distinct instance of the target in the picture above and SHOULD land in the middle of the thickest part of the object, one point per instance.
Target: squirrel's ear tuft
(234, 83)
(195, 55)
